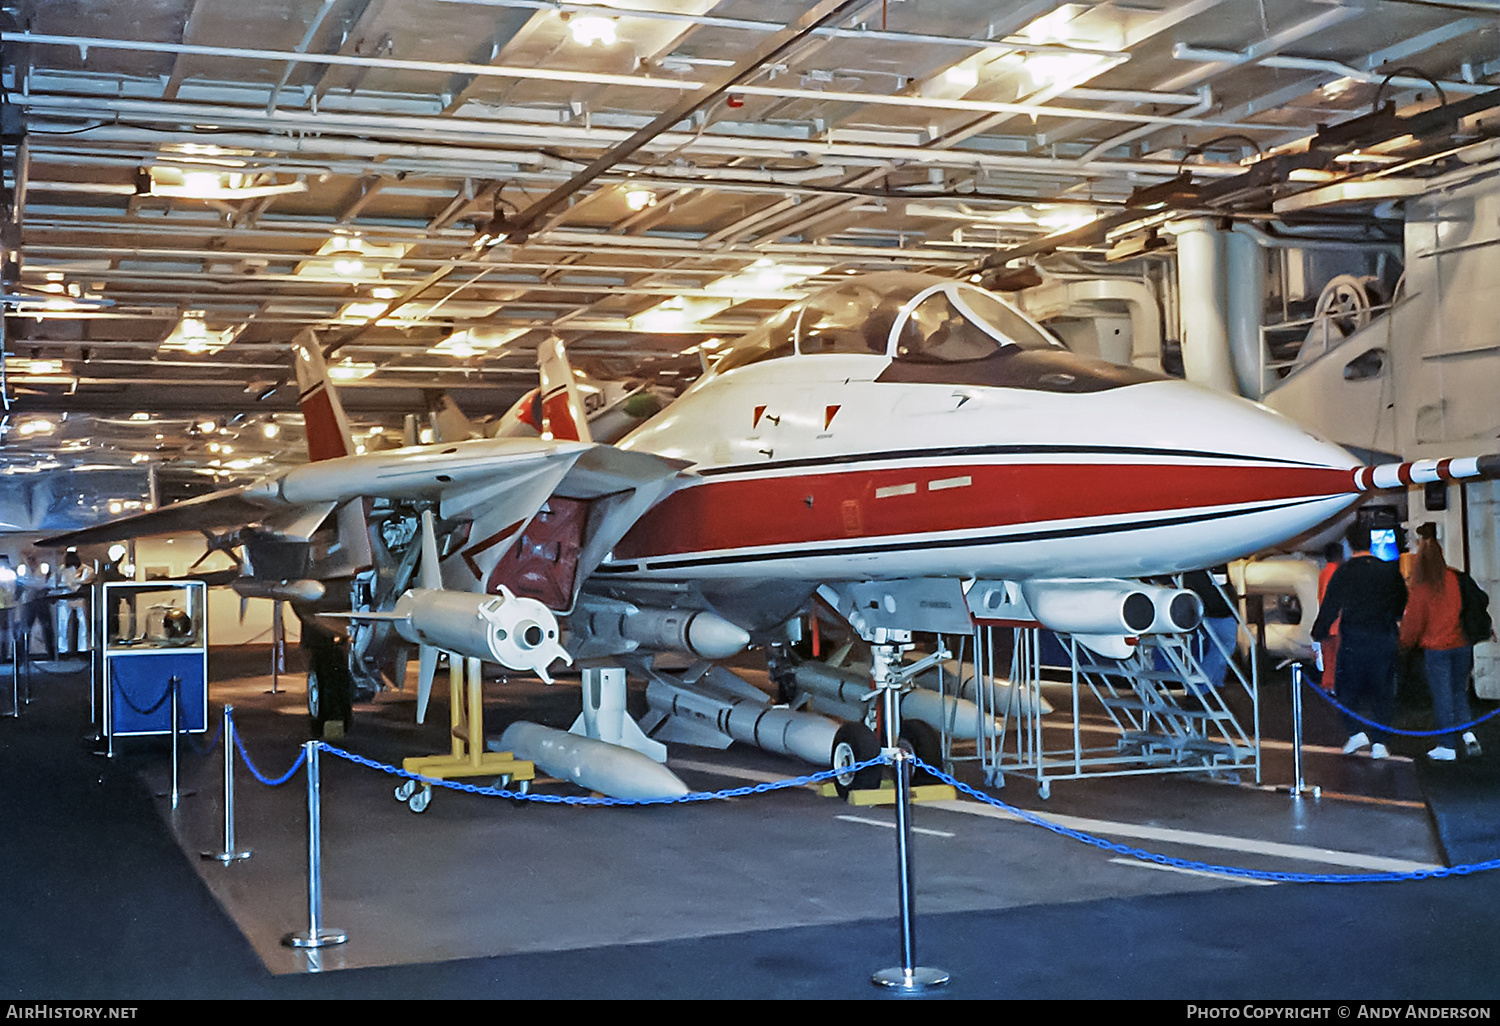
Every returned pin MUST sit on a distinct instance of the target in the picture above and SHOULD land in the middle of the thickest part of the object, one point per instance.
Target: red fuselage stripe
(804, 509)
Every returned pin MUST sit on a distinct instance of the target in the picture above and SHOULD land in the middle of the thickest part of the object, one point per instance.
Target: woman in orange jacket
(1432, 621)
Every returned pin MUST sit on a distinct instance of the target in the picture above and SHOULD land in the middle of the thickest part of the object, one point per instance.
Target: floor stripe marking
(734, 772)
(1244, 845)
(1138, 864)
(892, 826)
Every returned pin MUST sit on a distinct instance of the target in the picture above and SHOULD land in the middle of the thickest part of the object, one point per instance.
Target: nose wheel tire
(855, 743)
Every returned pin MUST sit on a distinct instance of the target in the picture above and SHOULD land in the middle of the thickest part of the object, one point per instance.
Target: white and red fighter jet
(914, 449)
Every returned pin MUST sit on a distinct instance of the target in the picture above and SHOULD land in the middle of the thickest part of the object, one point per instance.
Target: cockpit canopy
(933, 330)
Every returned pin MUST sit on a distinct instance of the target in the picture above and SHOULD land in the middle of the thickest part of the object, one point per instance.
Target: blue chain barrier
(554, 799)
(1327, 697)
(212, 744)
(918, 764)
(1205, 867)
(239, 745)
(144, 712)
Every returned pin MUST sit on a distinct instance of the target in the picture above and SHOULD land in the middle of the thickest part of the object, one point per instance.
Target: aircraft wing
(219, 510)
(496, 484)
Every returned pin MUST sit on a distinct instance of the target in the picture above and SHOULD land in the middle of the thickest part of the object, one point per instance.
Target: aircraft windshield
(954, 333)
(959, 323)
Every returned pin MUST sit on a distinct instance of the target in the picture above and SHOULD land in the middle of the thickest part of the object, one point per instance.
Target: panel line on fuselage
(949, 452)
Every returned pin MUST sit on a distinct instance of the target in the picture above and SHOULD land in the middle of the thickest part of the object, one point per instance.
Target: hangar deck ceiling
(435, 186)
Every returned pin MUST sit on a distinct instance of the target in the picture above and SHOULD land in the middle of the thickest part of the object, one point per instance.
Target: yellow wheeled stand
(468, 759)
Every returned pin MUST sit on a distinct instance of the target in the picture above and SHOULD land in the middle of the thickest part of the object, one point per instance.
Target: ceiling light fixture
(591, 29)
(192, 335)
(179, 183)
(473, 341)
(639, 199)
(348, 370)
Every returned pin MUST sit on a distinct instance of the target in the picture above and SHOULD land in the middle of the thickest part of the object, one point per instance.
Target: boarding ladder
(1152, 713)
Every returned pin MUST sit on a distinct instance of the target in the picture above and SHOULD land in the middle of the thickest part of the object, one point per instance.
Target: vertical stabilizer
(448, 422)
(563, 415)
(326, 426)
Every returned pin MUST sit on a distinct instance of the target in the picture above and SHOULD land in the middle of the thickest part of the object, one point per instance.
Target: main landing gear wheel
(330, 693)
(853, 744)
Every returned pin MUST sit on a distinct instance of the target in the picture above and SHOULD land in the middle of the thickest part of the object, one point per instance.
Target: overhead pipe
(1057, 297)
(467, 130)
(630, 81)
(1273, 240)
(745, 24)
(1204, 301)
(1245, 284)
(519, 226)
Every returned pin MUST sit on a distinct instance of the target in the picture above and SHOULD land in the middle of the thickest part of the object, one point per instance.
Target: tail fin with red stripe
(563, 414)
(326, 427)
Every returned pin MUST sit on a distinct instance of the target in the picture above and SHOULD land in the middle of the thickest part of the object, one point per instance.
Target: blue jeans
(1448, 680)
(1226, 629)
(1364, 679)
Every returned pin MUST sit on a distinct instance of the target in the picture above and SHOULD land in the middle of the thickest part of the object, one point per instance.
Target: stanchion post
(229, 854)
(908, 977)
(317, 935)
(1299, 788)
(172, 683)
(15, 677)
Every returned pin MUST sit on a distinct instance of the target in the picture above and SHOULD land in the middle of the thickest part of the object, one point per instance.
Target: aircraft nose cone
(1218, 422)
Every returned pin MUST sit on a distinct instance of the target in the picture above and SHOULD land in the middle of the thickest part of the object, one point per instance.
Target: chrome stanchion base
(1314, 792)
(913, 981)
(322, 939)
(225, 857)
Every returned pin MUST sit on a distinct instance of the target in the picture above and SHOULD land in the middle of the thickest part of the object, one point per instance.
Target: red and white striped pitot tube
(1397, 475)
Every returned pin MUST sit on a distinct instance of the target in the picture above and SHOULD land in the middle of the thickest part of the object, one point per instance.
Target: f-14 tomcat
(914, 449)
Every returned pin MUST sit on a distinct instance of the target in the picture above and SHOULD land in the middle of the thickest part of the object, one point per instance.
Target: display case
(153, 632)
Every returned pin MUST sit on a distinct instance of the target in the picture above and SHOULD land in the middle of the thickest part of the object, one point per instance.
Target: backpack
(1473, 614)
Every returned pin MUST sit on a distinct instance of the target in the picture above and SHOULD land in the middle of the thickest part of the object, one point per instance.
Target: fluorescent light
(965, 76)
(591, 29)
(180, 183)
(348, 370)
(191, 335)
(473, 341)
(640, 199)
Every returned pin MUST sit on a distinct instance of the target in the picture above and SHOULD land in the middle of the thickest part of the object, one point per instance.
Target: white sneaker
(1442, 753)
(1379, 751)
(1471, 744)
(1356, 742)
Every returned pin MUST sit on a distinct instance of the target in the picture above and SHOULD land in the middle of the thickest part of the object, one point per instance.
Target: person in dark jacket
(1366, 597)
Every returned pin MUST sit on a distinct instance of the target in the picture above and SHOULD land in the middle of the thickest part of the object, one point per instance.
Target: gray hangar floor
(786, 894)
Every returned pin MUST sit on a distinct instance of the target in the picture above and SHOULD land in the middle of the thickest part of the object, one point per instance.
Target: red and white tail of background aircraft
(914, 449)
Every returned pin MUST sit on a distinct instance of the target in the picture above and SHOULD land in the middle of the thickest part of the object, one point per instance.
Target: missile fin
(429, 575)
(427, 658)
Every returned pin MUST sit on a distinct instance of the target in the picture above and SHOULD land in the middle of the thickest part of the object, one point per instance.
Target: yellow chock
(885, 794)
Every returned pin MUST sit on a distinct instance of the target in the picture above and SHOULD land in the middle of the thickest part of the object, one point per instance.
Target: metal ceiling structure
(436, 186)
